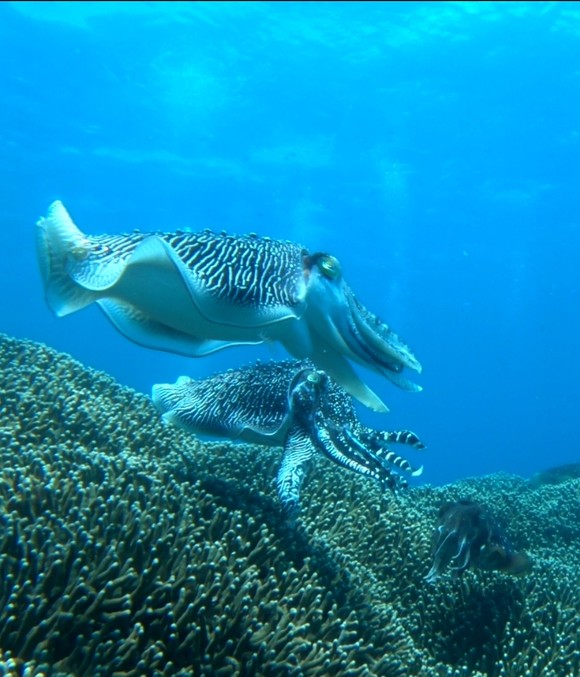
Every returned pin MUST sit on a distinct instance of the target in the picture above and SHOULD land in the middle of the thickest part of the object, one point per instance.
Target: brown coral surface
(129, 548)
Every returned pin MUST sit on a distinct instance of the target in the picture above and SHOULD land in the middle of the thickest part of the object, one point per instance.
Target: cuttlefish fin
(102, 275)
(76, 273)
(145, 331)
(57, 241)
(338, 367)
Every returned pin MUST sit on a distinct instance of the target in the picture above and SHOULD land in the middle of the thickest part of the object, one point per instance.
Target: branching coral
(117, 559)
(128, 548)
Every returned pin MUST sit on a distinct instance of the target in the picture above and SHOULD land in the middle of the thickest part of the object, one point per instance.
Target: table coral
(128, 548)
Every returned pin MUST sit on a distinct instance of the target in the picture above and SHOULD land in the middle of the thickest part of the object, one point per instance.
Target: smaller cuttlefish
(467, 535)
(293, 405)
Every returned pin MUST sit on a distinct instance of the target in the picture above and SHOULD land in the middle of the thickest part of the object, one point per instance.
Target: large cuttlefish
(197, 293)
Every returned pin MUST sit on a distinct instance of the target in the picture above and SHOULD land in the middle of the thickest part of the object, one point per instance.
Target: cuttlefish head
(341, 327)
(305, 391)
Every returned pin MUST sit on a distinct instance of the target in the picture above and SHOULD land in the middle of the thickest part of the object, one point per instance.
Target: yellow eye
(330, 267)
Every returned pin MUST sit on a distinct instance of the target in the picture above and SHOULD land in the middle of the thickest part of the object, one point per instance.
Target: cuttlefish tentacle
(196, 293)
(370, 445)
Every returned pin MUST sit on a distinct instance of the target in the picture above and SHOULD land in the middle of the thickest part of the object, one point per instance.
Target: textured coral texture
(130, 548)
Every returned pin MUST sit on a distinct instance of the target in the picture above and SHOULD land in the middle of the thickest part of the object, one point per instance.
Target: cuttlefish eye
(306, 381)
(330, 267)
(314, 378)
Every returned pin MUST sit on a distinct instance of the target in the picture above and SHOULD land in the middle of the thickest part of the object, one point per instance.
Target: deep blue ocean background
(434, 148)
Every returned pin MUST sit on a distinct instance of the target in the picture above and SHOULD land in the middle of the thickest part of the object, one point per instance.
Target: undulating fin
(59, 242)
(110, 256)
(144, 331)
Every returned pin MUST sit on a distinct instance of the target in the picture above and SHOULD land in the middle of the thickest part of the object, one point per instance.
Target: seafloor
(129, 548)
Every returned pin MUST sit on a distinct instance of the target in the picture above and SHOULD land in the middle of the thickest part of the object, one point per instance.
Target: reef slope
(130, 548)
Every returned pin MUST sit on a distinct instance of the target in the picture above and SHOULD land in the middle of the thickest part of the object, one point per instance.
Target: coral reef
(556, 475)
(124, 552)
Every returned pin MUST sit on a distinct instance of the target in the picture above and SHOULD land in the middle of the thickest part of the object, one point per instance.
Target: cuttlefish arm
(377, 340)
(332, 361)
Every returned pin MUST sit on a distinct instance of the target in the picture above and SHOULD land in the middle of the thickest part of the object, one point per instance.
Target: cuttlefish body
(467, 535)
(197, 293)
(293, 405)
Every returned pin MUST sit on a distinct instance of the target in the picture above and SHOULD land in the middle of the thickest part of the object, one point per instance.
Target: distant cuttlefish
(467, 535)
(197, 293)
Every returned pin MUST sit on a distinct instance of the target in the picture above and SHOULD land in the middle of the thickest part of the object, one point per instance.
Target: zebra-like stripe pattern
(400, 437)
(97, 263)
(246, 270)
(298, 452)
(349, 461)
(255, 397)
(374, 453)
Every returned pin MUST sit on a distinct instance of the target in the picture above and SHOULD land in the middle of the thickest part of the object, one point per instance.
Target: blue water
(434, 148)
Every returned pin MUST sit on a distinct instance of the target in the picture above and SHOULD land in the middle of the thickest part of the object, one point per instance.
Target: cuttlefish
(197, 293)
(293, 405)
(468, 535)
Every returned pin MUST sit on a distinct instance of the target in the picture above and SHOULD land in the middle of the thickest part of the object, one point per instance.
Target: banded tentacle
(337, 444)
(327, 442)
(373, 443)
(398, 436)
